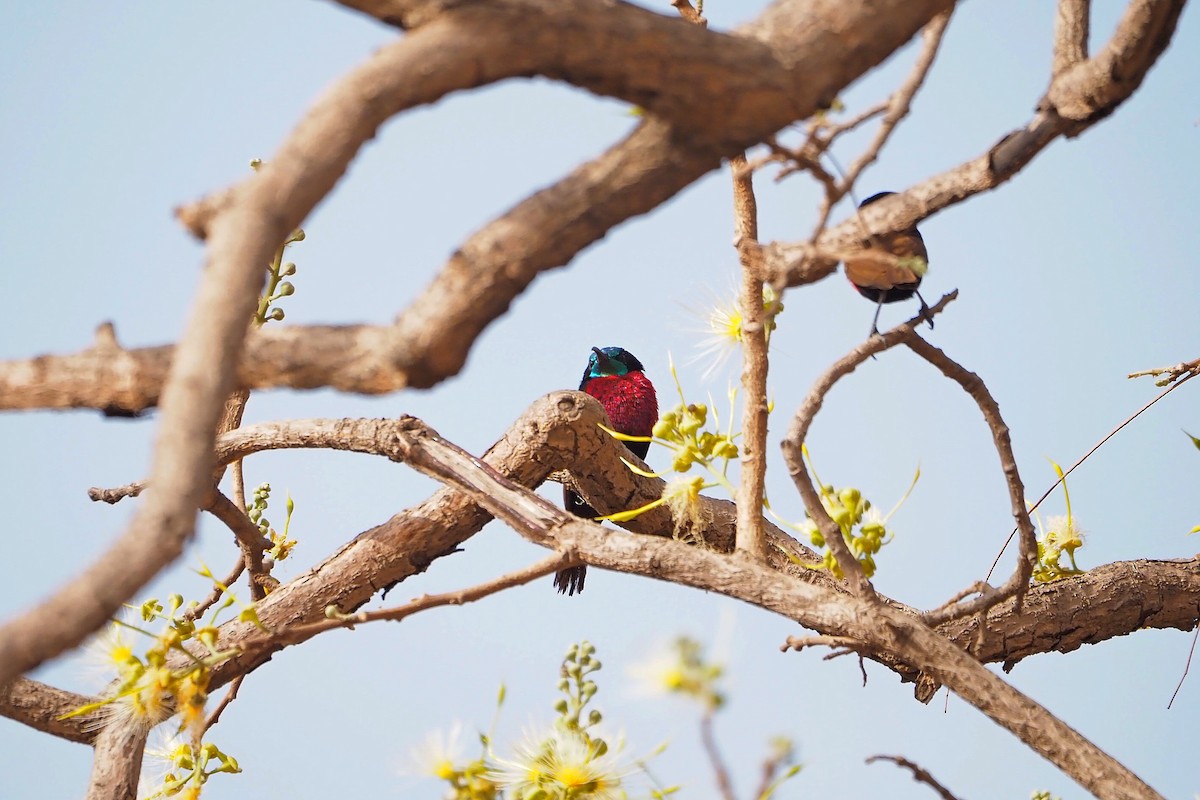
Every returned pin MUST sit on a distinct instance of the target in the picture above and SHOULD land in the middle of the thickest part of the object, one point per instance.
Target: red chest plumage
(629, 401)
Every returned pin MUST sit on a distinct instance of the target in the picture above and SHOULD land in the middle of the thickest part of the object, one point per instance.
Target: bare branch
(753, 333)
(117, 764)
(898, 106)
(989, 409)
(713, 751)
(42, 707)
(793, 443)
(230, 695)
(920, 775)
(285, 637)
(1072, 24)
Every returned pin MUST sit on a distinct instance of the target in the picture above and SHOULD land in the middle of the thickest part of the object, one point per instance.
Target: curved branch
(989, 409)
(793, 443)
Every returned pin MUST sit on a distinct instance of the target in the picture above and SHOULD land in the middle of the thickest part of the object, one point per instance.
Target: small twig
(230, 696)
(300, 633)
(720, 771)
(250, 539)
(841, 645)
(826, 133)
(770, 768)
(689, 12)
(1187, 665)
(217, 592)
(898, 106)
(1190, 373)
(979, 587)
(1189, 368)
(920, 775)
(116, 494)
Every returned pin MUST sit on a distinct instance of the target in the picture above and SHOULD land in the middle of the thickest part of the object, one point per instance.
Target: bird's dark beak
(608, 364)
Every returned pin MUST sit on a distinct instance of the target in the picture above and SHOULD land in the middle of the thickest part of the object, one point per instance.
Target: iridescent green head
(608, 361)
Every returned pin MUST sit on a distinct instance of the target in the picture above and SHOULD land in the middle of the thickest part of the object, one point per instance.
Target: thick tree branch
(117, 764)
(1091, 90)
(41, 707)
(739, 89)
(559, 432)
(199, 380)
(878, 626)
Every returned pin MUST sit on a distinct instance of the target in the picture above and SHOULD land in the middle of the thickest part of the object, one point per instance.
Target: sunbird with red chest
(615, 378)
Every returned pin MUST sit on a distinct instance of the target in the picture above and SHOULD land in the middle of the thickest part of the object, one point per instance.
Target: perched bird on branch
(890, 268)
(615, 378)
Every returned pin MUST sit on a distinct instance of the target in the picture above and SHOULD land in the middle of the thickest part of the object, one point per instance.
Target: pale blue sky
(1076, 273)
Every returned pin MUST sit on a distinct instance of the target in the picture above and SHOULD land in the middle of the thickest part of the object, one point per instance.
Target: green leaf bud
(285, 289)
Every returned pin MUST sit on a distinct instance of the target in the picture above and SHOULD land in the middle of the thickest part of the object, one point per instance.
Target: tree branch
(42, 707)
(920, 775)
(1072, 24)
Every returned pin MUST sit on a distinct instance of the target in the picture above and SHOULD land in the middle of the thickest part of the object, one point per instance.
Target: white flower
(440, 753)
(563, 764)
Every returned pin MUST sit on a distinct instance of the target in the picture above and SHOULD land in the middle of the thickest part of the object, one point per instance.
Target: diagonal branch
(878, 626)
(989, 409)
(1077, 99)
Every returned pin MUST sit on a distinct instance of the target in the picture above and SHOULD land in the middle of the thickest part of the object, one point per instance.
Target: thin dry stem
(920, 775)
(299, 633)
(1187, 374)
(750, 538)
(713, 751)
